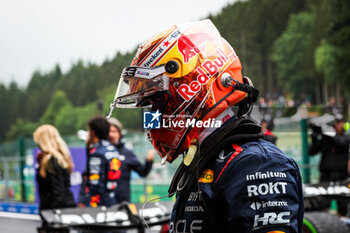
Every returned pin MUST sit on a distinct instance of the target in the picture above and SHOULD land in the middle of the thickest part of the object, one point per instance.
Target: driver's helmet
(178, 73)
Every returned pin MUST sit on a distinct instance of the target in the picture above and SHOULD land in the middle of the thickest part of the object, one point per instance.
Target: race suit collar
(237, 131)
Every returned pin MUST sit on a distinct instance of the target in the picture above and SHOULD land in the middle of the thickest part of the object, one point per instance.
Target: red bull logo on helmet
(207, 70)
(190, 45)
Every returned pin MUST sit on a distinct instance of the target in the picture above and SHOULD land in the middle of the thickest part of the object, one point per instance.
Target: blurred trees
(290, 52)
(297, 48)
(64, 100)
(22, 128)
(332, 57)
(58, 101)
(11, 106)
(251, 27)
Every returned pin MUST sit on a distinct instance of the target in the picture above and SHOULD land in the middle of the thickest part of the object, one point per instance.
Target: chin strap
(190, 153)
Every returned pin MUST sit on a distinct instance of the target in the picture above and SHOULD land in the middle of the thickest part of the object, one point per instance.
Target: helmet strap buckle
(190, 153)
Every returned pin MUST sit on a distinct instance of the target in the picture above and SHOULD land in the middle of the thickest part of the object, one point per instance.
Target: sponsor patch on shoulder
(207, 176)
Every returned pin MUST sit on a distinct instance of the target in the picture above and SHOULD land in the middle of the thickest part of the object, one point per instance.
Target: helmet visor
(138, 83)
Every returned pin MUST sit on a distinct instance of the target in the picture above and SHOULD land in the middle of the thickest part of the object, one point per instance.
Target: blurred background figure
(267, 127)
(129, 161)
(53, 174)
(334, 154)
(55, 167)
(102, 170)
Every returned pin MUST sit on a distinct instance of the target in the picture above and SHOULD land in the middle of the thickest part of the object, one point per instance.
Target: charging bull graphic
(192, 44)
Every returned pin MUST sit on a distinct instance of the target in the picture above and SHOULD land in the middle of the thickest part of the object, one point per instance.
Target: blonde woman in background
(55, 167)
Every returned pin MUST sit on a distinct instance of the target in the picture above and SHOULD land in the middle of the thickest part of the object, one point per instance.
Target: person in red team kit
(230, 180)
(102, 167)
(127, 160)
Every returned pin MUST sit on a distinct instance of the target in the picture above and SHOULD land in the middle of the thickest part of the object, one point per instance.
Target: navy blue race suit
(129, 162)
(241, 184)
(103, 173)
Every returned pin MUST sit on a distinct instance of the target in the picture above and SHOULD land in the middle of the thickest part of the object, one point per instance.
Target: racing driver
(229, 179)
